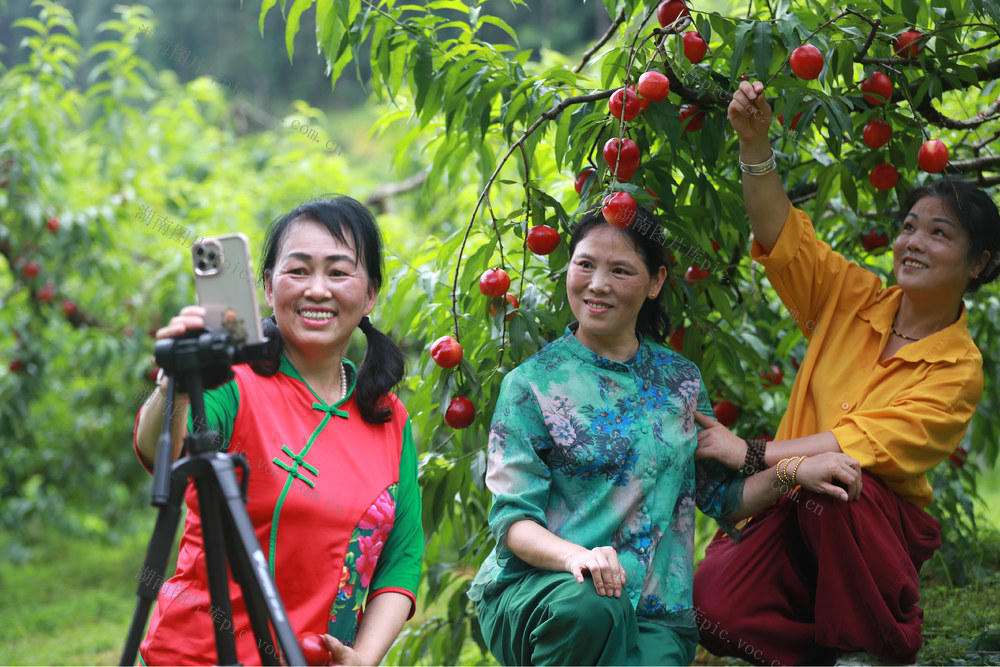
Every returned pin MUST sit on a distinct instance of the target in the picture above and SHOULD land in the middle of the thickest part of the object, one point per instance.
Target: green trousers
(547, 618)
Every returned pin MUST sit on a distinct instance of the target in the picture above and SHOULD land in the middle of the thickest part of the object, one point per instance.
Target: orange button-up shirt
(898, 417)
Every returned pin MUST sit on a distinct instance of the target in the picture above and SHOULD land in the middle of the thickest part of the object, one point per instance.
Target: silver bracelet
(765, 167)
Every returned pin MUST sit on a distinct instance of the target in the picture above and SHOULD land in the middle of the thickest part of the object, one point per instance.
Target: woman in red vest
(333, 491)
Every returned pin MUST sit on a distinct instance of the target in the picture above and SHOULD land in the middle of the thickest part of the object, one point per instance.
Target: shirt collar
(585, 353)
(948, 344)
(286, 367)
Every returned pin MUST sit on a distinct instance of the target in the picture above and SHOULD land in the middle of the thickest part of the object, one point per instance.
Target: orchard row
(30, 271)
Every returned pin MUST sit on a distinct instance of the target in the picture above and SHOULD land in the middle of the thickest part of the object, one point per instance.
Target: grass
(71, 601)
(953, 617)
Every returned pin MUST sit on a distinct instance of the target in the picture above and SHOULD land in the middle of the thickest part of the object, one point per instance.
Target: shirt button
(844, 406)
(650, 470)
(645, 510)
(645, 430)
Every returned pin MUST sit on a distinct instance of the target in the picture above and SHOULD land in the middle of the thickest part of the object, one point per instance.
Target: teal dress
(600, 453)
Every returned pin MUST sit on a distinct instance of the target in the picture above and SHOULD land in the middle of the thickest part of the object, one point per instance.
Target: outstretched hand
(719, 443)
(604, 568)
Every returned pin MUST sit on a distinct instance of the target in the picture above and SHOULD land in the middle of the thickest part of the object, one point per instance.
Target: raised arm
(764, 195)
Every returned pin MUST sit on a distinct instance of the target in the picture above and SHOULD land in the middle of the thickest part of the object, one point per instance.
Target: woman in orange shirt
(891, 377)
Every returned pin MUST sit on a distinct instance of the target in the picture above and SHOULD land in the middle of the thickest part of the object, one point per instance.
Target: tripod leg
(215, 563)
(151, 576)
(250, 569)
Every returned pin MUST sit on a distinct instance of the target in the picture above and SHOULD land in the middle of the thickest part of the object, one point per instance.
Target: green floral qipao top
(602, 453)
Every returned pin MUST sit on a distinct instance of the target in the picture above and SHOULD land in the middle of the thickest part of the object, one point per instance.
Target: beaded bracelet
(754, 461)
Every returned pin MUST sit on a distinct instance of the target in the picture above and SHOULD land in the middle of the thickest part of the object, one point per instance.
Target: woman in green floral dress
(592, 468)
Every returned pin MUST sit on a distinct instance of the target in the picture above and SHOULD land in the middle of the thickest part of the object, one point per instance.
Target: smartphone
(223, 279)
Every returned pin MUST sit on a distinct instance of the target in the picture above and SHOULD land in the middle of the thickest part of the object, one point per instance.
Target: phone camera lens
(211, 256)
(202, 265)
(200, 251)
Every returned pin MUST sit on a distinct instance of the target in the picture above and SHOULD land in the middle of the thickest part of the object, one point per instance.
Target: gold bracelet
(796, 468)
(781, 470)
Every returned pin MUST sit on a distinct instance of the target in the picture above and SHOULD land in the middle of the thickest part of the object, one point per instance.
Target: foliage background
(102, 125)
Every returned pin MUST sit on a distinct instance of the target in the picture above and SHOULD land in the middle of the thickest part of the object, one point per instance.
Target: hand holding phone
(223, 278)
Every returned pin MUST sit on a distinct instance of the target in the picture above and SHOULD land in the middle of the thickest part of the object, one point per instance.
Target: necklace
(343, 381)
(902, 336)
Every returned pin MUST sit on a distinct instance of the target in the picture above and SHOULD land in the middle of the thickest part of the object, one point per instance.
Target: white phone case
(223, 278)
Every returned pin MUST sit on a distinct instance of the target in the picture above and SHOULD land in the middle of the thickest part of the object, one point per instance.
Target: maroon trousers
(813, 576)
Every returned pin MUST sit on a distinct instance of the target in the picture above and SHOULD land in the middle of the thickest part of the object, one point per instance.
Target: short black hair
(976, 212)
(653, 322)
(347, 220)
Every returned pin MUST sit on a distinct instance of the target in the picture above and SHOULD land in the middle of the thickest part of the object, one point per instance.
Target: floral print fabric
(602, 453)
(359, 564)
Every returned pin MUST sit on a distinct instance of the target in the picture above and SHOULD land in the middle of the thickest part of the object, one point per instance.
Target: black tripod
(195, 362)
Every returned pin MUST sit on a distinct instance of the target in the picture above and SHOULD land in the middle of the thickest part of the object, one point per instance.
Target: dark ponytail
(347, 220)
(269, 365)
(381, 370)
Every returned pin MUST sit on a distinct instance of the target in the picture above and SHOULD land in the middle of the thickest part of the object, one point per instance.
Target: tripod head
(210, 354)
(196, 361)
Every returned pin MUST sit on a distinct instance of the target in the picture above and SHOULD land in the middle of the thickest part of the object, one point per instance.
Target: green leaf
(562, 137)
(711, 134)
(787, 342)
(720, 299)
(31, 24)
(456, 5)
(433, 100)
(265, 7)
(840, 122)
(787, 24)
(325, 28)
(423, 64)
(849, 188)
(500, 23)
(736, 61)
(762, 49)
(398, 54)
(966, 74)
